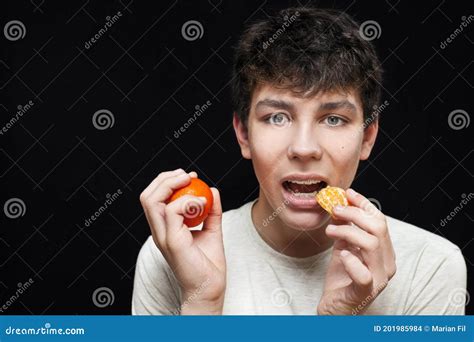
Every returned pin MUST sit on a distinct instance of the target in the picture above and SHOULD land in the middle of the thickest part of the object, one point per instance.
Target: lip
(297, 202)
(304, 176)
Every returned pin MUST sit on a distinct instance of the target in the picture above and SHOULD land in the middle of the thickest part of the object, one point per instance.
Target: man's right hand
(196, 257)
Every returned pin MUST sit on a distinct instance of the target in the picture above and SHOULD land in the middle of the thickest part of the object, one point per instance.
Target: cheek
(267, 152)
(344, 154)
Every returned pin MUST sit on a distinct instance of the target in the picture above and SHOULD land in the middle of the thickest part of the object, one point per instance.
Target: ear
(370, 134)
(241, 133)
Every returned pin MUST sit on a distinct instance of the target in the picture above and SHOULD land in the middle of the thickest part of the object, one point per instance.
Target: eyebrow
(344, 104)
(275, 104)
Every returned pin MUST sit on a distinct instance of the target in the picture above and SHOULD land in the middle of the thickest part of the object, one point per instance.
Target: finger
(175, 212)
(156, 221)
(359, 273)
(213, 222)
(360, 201)
(163, 192)
(162, 176)
(354, 236)
(361, 219)
(371, 220)
(369, 246)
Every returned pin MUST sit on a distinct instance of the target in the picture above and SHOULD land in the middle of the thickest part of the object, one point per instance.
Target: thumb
(213, 222)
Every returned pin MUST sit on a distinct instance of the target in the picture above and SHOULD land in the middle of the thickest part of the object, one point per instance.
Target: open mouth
(304, 188)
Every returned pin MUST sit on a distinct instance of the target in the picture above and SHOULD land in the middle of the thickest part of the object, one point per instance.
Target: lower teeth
(304, 194)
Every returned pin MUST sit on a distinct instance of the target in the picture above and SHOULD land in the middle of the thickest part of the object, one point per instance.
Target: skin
(325, 134)
(303, 135)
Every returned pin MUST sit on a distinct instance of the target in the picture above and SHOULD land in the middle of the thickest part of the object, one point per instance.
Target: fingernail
(331, 228)
(338, 208)
(183, 176)
(344, 253)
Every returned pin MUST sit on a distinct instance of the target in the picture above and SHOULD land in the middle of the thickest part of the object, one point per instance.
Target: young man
(305, 87)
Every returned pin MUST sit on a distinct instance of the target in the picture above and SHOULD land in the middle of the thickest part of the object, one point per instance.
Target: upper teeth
(306, 182)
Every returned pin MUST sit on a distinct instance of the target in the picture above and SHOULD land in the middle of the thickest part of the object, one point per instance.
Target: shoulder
(413, 244)
(409, 236)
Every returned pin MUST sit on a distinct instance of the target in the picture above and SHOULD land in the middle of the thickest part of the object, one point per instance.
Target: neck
(286, 240)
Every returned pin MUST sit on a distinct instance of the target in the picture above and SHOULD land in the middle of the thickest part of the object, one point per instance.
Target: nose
(304, 144)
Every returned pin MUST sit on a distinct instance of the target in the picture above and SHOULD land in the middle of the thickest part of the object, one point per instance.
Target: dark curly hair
(307, 50)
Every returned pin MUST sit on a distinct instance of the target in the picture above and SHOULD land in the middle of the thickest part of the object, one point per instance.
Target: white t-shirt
(430, 278)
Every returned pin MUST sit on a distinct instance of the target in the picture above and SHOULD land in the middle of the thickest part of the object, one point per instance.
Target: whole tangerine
(194, 212)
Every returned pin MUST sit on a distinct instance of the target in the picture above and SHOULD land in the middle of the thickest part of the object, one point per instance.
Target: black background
(151, 79)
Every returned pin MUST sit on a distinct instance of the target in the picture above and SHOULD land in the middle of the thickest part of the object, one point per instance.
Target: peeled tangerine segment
(331, 196)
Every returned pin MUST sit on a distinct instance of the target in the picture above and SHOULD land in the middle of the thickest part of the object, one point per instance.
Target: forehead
(268, 91)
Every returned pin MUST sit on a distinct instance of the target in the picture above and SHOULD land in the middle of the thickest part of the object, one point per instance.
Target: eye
(278, 119)
(335, 121)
